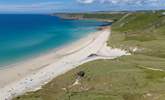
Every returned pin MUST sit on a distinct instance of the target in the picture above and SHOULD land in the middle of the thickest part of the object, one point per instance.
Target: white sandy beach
(34, 73)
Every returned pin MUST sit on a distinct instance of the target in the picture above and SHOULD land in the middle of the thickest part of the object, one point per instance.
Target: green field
(124, 78)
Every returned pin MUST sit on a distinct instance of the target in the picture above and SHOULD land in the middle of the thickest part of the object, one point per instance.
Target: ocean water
(24, 36)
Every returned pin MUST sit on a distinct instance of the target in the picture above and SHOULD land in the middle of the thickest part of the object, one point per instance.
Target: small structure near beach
(92, 55)
(81, 74)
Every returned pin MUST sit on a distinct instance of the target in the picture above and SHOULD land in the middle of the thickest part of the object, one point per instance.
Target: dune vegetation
(140, 76)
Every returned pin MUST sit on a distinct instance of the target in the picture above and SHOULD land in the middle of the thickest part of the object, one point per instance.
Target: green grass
(140, 22)
(124, 78)
(118, 79)
(104, 16)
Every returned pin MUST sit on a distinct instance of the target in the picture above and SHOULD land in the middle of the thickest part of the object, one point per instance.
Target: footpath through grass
(140, 76)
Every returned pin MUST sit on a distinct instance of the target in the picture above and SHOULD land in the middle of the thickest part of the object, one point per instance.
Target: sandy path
(95, 45)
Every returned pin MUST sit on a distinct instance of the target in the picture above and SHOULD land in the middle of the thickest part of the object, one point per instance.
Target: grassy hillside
(143, 30)
(124, 78)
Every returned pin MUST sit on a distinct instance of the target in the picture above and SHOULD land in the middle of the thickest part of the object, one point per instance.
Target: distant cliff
(110, 17)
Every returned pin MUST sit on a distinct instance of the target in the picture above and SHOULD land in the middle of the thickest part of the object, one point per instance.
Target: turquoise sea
(24, 36)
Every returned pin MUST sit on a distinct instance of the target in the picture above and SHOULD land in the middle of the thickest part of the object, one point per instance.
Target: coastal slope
(139, 76)
(62, 65)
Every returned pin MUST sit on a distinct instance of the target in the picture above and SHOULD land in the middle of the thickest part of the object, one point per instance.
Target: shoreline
(79, 53)
(34, 62)
(57, 50)
(17, 72)
(54, 50)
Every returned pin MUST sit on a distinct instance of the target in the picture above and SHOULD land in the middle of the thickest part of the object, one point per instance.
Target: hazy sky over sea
(49, 6)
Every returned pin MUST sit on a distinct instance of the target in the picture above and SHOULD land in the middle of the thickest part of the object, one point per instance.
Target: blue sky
(49, 6)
